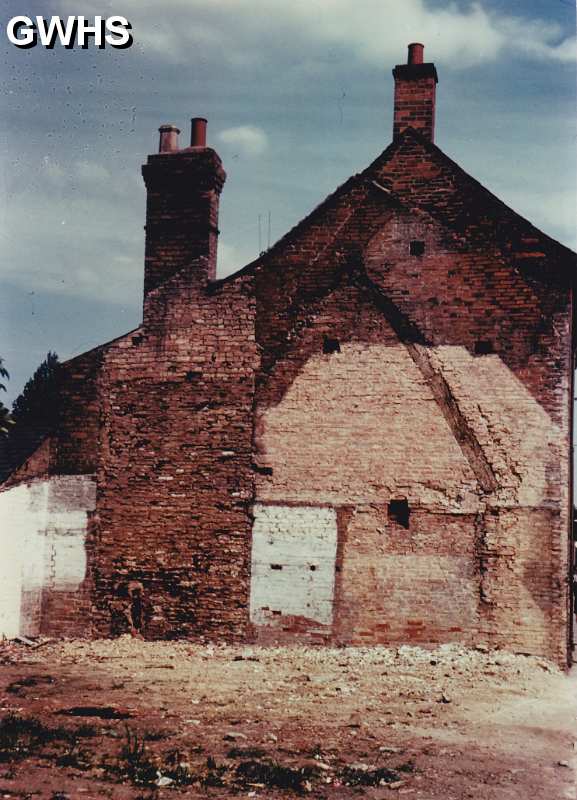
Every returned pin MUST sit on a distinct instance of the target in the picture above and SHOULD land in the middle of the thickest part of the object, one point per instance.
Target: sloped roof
(413, 173)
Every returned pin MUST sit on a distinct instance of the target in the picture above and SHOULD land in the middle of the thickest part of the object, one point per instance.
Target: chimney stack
(183, 194)
(415, 89)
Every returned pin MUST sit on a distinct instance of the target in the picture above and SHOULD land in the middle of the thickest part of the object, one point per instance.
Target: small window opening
(399, 511)
(276, 566)
(262, 470)
(416, 247)
(331, 346)
(312, 568)
(483, 348)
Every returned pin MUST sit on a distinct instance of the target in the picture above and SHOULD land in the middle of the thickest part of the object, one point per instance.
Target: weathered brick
(361, 437)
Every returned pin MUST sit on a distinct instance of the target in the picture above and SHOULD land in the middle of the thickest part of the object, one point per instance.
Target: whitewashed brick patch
(293, 563)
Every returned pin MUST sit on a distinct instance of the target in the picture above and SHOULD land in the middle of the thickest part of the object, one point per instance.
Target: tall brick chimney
(415, 87)
(183, 193)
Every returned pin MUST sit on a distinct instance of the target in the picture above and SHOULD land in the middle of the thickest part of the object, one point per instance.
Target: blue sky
(298, 96)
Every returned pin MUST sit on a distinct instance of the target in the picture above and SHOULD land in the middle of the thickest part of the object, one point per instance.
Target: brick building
(363, 436)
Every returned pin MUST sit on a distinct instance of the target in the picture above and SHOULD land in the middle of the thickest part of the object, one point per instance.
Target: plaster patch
(42, 539)
(293, 563)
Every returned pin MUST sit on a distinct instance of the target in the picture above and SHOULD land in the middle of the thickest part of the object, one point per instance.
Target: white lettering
(54, 29)
(121, 27)
(85, 30)
(21, 25)
(24, 32)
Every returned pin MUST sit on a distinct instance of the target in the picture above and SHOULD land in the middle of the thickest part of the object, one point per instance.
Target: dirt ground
(129, 719)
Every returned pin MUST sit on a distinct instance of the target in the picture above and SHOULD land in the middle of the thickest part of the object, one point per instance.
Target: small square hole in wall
(484, 347)
(331, 345)
(399, 511)
(416, 247)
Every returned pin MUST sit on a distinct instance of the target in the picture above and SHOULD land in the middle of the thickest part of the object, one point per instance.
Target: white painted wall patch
(293, 563)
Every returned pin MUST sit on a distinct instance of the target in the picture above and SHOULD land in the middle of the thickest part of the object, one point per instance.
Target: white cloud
(376, 31)
(89, 176)
(245, 139)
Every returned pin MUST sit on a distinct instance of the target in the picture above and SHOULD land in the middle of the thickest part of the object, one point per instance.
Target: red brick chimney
(183, 192)
(415, 87)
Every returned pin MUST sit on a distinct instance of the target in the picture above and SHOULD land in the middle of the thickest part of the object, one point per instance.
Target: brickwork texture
(363, 436)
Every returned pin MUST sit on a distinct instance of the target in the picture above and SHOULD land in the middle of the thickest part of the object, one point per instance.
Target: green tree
(5, 419)
(35, 410)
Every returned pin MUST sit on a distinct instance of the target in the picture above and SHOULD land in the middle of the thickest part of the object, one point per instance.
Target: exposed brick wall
(174, 509)
(521, 609)
(355, 425)
(405, 350)
(408, 585)
(75, 450)
(351, 430)
(37, 465)
(486, 322)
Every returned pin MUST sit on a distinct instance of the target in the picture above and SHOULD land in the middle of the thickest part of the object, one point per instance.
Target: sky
(298, 97)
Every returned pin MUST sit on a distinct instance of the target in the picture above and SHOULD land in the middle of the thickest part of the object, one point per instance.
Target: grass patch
(19, 736)
(134, 761)
(19, 687)
(214, 774)
(273, 775)
(370, 777)
(74, 757)
(102, 712)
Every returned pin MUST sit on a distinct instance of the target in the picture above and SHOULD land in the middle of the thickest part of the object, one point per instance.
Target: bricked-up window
(331, 345)
(484, 348)
(399, 511)
(416, 247)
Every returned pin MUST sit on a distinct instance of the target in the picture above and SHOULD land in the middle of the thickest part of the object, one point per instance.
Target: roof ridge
(481, 190)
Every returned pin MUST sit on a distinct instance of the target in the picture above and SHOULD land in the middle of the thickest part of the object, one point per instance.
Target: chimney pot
(168, 139)
(416, 53)
(198, 132)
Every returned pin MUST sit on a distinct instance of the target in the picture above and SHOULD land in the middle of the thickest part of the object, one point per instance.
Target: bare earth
(133, 719)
